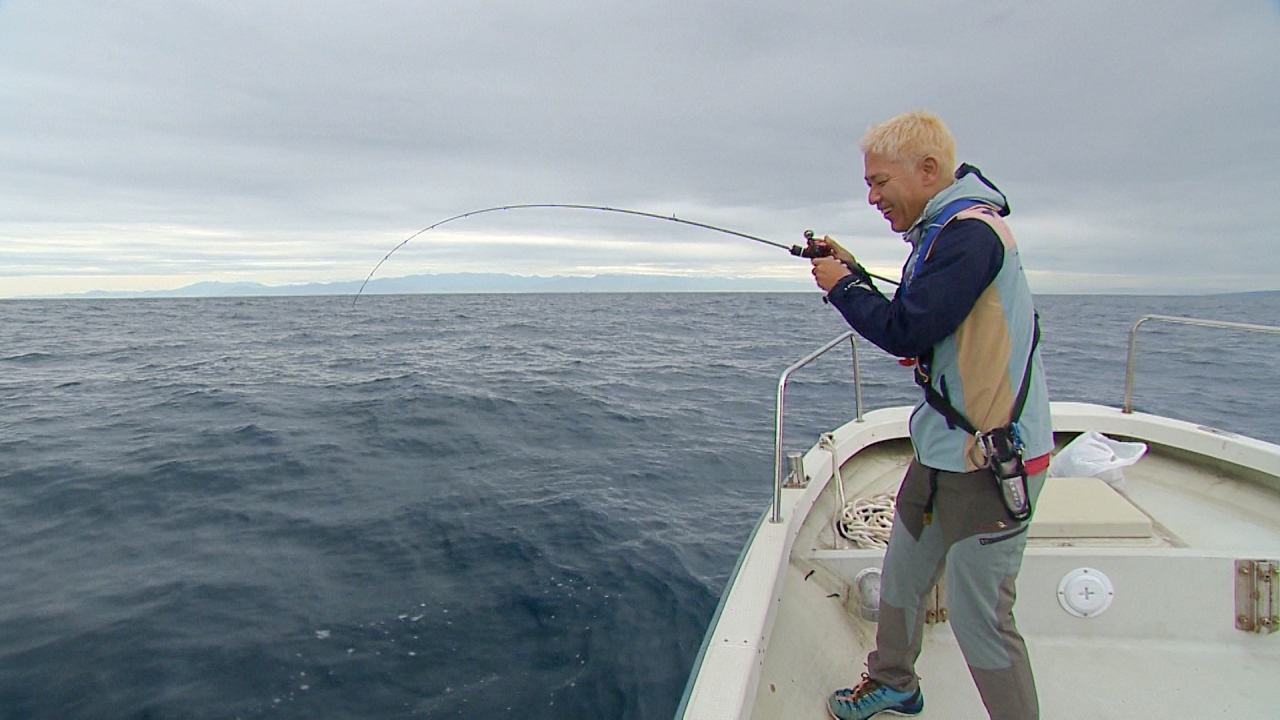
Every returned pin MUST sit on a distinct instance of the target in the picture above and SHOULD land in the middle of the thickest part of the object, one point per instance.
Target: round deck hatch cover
(1085, 592)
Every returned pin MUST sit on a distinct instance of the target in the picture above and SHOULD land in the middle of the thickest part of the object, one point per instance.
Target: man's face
(898, 191)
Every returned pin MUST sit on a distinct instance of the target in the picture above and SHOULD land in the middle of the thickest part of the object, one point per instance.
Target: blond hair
(910, 137)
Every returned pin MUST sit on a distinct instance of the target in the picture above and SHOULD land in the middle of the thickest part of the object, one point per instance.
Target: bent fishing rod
(813, 248)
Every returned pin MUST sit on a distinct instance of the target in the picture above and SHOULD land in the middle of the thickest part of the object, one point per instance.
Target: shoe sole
(882, 712)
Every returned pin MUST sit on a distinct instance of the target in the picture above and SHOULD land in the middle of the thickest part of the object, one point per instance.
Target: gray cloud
(288, 142)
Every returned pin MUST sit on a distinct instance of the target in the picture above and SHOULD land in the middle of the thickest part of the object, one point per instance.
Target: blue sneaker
(871, 698)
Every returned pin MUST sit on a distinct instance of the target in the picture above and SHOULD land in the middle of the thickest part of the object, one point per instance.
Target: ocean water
(444, 506)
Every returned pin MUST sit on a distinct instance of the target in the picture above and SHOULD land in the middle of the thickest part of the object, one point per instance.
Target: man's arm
(966, 257)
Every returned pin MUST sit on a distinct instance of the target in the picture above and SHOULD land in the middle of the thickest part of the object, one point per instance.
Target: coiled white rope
(867, 521)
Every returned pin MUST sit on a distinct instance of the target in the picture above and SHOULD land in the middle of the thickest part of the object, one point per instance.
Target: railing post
(780, 410)
(857, 378)
(1132, 364)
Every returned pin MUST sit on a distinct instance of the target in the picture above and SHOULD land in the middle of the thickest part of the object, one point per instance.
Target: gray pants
(970, 536)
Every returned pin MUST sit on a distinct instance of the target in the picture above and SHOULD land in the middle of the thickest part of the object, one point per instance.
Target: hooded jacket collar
(969, 185)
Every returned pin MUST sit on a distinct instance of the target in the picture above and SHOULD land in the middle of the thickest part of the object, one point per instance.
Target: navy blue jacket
(965, 258)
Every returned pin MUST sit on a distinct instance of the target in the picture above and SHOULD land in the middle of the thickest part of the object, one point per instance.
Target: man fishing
(963, 317)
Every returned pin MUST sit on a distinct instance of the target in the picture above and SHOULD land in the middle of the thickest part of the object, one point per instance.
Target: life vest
(980, 370)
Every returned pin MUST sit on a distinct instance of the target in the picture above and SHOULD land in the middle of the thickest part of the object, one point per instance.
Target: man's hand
(827, 271)
(838, 252)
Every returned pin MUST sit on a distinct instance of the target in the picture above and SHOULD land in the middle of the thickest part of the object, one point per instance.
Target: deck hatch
(1074, 507)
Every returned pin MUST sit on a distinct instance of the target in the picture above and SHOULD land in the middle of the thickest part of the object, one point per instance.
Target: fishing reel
(816, 247)
(813, 247)
(820, 247)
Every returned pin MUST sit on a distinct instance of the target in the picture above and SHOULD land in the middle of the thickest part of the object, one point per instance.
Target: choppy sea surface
(473, 506)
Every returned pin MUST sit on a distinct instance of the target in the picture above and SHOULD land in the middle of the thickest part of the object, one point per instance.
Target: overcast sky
(149, 145)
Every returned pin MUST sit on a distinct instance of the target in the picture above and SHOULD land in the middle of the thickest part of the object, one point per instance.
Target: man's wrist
(842, 285)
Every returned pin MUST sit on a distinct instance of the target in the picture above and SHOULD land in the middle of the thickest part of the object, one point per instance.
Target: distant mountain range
(469, 283)
(458, 283)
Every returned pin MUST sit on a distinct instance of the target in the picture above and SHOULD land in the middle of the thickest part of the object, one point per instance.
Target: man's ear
(929, 166)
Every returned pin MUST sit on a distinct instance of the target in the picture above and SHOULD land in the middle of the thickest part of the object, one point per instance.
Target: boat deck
(1167, 647)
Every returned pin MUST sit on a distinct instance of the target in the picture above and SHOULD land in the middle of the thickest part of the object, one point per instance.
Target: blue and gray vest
(979, 368)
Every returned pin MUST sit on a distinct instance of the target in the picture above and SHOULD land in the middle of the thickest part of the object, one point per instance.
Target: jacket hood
(969, 185)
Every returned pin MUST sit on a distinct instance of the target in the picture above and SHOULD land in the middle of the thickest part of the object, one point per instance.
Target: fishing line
(793, 249)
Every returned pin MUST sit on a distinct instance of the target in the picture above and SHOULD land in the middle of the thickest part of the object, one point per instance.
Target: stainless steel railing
(779, 471)
(780, 409)
(1133, 342)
